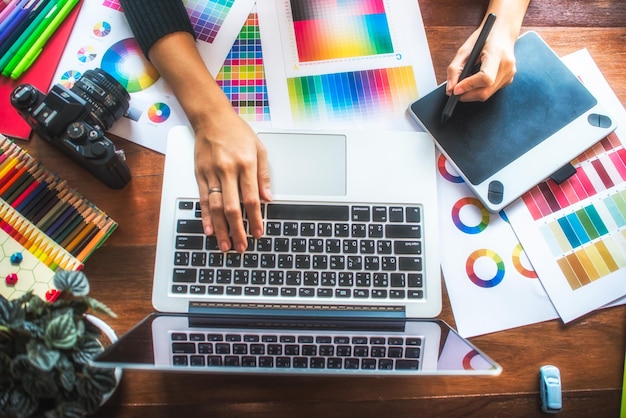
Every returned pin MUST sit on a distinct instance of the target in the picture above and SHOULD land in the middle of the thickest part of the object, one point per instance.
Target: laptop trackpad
(306, 163)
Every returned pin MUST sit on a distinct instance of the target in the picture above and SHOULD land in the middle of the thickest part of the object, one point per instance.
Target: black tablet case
(482, 138)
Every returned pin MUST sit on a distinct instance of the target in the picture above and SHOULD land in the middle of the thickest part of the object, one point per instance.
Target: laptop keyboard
(290, 351)
(327, 251)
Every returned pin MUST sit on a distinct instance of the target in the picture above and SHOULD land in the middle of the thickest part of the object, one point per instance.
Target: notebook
(340, 282)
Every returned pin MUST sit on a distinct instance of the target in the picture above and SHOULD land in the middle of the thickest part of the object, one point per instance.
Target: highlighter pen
(8, 9)
(469, 65)
(37, 47)
(12, 25)
(27, 38)
(4, 4)
(14, 14)
(9, 38)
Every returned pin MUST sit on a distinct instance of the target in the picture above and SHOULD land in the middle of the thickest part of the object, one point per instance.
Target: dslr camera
(74, 120)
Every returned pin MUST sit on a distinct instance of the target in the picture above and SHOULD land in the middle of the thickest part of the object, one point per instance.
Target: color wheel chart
(126, 63)
(242, 77)
(350, 63)
(574, 233)
(489, 278)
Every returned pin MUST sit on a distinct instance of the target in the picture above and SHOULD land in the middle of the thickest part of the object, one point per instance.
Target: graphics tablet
(524, 133)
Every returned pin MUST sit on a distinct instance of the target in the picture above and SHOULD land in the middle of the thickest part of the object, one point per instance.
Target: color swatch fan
(44, 224)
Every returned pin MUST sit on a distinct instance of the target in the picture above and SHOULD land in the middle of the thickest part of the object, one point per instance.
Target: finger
(215, 215)
(263, 170)
(231, 212)
(453, 73)
(203, 189)
(251, 201)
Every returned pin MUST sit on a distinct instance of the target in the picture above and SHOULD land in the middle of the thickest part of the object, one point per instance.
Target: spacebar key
(309, 212)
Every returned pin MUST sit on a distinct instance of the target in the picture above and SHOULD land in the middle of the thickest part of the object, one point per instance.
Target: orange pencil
(97, 239)
(68, 239)
(83, 233)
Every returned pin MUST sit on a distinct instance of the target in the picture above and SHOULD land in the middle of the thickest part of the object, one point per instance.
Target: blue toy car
(550, 388)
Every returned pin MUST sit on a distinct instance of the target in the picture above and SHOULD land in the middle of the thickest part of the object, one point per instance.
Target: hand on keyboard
(231, 169)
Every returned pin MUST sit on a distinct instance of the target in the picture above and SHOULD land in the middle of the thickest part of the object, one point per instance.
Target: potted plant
(45, 349)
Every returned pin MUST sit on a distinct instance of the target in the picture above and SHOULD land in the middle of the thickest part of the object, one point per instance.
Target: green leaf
(40, 385)
(74, 282)
(21, 404)
(61, 332)
(11, 313)
(98, 306)
(67, 373)
(93, 384)
(71, 410)
(41, 356)
(89, 348)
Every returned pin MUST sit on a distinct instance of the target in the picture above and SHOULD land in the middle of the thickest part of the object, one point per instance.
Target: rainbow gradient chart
(575, 232)
(344, 29)
(351, 63)
(490, 281)
(242, 77)
(102, 38)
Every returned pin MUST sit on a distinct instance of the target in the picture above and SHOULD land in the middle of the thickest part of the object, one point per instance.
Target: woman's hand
(230, 161)
(497, 59)
(231, 169)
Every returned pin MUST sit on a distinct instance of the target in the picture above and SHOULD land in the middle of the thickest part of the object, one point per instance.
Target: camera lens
(107, 100)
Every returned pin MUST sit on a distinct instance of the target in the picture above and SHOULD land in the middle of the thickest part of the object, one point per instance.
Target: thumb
(263, 174)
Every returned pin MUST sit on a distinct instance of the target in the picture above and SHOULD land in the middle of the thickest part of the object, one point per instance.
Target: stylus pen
(469, 65)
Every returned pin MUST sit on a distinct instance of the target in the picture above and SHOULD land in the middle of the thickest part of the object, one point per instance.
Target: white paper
(491, 284)
(102, 38)
(344, 64)
(579, 250)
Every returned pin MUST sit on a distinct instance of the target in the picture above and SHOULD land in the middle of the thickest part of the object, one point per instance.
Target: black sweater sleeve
(150, 20)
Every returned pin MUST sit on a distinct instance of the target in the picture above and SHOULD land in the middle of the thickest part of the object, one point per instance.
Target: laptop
(346, 279)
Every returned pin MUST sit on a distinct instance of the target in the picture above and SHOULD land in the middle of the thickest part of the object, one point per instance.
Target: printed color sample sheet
(102, 38)
(491, 284)
(344, 63)
(575, 232)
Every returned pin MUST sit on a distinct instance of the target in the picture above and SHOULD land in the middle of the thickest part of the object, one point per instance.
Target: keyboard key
(402, 231)
(308, 212)
(189, 226)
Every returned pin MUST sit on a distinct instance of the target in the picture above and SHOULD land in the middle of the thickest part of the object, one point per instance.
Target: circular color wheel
(86, 53)
(518, 251)
(456, 215)
(102, 29)
(471, 273)
(159, 112)
(69, 78)
(445, 172)
(126, 63)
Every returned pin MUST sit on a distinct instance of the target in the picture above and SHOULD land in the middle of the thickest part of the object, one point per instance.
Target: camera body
(74, 120)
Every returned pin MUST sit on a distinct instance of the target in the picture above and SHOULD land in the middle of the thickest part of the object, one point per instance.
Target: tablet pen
(469, 65)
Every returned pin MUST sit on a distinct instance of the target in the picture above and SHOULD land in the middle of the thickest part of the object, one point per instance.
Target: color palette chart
(341, 29)
(490, 281)
(242, 77)
(358, 95)
(207, 17)
(353, 64)
(575, 232)
(44, 216)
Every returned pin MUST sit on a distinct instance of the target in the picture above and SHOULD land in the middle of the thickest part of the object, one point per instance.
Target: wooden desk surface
(589, 352)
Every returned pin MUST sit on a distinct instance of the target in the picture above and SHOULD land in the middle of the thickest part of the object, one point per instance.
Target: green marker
(49, 29)
(25, 37)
